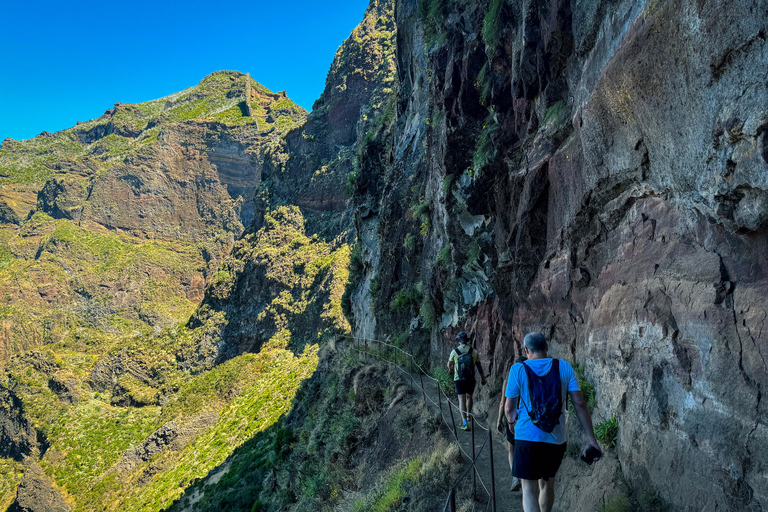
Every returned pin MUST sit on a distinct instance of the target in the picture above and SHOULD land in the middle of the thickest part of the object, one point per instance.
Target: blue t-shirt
(517, 386)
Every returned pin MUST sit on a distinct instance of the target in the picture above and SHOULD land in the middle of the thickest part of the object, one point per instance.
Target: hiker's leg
(546, 494)
(510, 454)
(469, 404)
(463, 407)
(530, 495)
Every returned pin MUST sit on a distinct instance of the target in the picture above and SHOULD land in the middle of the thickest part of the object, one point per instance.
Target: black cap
(462, 337)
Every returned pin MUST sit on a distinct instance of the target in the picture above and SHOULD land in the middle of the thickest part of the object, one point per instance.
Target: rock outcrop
(36, 493)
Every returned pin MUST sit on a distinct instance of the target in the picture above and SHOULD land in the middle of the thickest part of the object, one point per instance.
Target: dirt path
(506, 500)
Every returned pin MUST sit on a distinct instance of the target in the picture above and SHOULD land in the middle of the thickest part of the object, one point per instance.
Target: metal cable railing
(450, 505)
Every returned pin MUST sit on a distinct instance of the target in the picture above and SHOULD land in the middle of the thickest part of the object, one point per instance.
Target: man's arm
(580, 405)
(502, 402)
(480, 369)
(510, 409)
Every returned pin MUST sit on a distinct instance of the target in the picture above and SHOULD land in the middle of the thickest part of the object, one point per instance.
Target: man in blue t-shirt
(538, 454)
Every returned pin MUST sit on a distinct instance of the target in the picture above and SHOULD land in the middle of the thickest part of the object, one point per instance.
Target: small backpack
(545, 396)
(465, 365)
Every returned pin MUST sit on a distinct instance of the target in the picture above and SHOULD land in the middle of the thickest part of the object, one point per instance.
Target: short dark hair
(536, 342)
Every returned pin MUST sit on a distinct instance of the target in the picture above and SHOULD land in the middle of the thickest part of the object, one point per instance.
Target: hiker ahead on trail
(508, 427)
(462, 362)
(536, 393)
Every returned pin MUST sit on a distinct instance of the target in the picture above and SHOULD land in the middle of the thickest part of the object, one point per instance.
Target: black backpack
(465, 367)
(546, 397)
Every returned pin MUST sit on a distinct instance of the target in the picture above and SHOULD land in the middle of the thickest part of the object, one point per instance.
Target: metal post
(474, 467)
(453, 421)
(410, 369)
(439, 399)
(366, 350)
(493, 473)
(452, 498)
(423, 392)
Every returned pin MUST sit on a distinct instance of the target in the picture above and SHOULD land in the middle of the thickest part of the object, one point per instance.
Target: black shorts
(464, 387)
(534, 460)
(510, 433)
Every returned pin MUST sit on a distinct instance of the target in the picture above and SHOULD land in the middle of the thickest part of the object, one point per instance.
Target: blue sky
(65, 61)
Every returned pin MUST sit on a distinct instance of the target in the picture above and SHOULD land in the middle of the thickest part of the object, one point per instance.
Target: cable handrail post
(423, 391)
(493, 473)
(452, 498)
(366, 350)
(453, 421)
(440, 399)
(474, 456)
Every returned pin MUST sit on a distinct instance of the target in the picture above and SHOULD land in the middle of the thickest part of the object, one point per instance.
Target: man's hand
(592, 444)
(500, 426)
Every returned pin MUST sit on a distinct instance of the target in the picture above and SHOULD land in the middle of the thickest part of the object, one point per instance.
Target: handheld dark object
(592, 454)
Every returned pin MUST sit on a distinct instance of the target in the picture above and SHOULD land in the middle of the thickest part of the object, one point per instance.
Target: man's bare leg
(546, 494)
(530, 495)
(463, 407)
(469, 405)
(510, 454)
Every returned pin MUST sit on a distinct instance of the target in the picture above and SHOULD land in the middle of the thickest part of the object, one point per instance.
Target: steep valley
(181, 278)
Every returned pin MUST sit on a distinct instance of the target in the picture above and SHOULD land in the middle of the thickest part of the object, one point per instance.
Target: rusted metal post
(474, 467)
(493, 473)
(440, 399)
(453, 421)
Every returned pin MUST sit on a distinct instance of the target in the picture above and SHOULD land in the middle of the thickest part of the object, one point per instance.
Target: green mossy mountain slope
(128, 422)
(115, 225)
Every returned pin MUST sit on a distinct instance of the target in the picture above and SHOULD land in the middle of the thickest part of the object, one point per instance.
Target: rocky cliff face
(115, 225)
(596, 171)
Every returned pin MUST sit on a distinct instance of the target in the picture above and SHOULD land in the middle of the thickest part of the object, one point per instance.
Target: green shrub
(607, 432)
(422, 210)
(405, 299)
(349, 188)
(432, 15)
(444, 256)
(619, 503)
(398, 340)
(473, 254)
(484, 150)
(587, 391)
(649, 501)
(493, 24)
(428, 313)
(445, 379)
(447, 183)
(554, 112)
(410, 242)
(424, 229)
(483, 84)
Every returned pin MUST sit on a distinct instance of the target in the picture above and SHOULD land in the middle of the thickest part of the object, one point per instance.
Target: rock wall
(596, 171)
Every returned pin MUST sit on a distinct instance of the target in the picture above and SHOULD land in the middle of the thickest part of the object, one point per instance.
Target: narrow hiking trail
(489, 478)
(506, 500)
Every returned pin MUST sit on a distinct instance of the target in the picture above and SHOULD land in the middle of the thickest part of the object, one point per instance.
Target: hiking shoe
(516, 484)
(464, 426)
